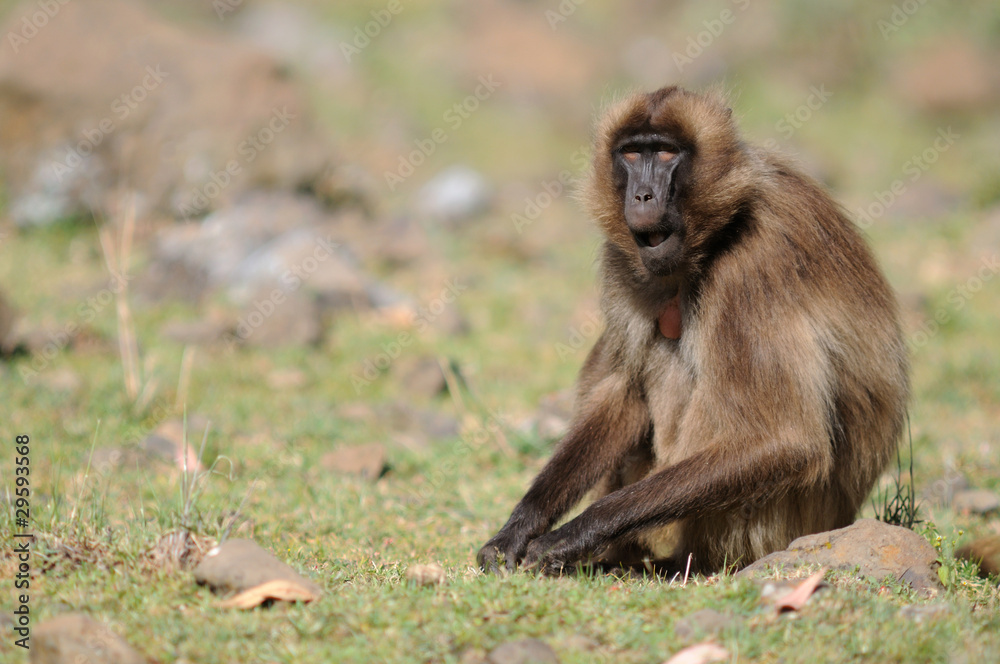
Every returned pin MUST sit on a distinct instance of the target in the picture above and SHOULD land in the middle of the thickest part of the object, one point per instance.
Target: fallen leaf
(287, 591)
(797, 598)
(703, 653)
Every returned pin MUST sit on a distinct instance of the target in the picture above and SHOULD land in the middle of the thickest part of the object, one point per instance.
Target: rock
(975, 501)
(143, 112)
(525, 651)
(421, 376)
(288, 319)
(877, 549)
(985, 552)
(706, 622)
(417, 428)
(202, 332)
(238, 565)
(430, 574)
(920, 613)
(74, 637)
(366, 461)
(454, 195)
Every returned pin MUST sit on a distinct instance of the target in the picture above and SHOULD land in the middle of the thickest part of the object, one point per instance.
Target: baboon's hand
(558, 550)
(504, 551)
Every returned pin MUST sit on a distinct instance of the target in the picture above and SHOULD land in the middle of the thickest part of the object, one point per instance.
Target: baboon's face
(648, 174)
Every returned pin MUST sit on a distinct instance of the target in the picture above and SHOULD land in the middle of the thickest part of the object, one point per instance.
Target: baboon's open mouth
(651, 240)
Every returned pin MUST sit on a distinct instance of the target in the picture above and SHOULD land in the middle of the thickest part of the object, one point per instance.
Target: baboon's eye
(631, 157)
(665, 155)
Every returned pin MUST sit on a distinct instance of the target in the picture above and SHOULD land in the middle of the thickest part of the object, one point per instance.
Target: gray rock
(525, 651)
(976, 501)
(420, 376)
(454, 195)
(877, 549)
(238, 564)
(280, 319)
(77, 638)
(366, 461)
(143, 110)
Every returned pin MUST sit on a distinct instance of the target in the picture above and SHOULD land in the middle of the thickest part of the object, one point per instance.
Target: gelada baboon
(751, 381)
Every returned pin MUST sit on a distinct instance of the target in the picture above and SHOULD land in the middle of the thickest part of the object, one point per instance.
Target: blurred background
(323, 225)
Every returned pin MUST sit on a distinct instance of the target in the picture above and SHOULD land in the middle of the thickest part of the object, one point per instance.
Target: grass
(97, 531)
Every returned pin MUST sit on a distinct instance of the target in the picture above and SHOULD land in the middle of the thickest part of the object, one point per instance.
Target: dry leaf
(703, 653)
(798, 597)
(288, 591)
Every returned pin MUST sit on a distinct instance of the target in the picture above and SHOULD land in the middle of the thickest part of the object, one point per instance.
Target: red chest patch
(670, 320)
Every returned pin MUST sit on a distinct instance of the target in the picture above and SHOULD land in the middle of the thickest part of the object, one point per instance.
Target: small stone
(454, 195)
(430, 574)
(237, 565)
(706, 622)
(877, 549)
(975, 501)
(920, 613)
(525, 651)
(196, 333)
(421, 376)
(295, 320)
(74, 637)
(367, 461)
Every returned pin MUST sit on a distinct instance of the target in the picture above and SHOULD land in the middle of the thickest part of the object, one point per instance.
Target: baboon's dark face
(648, 173)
